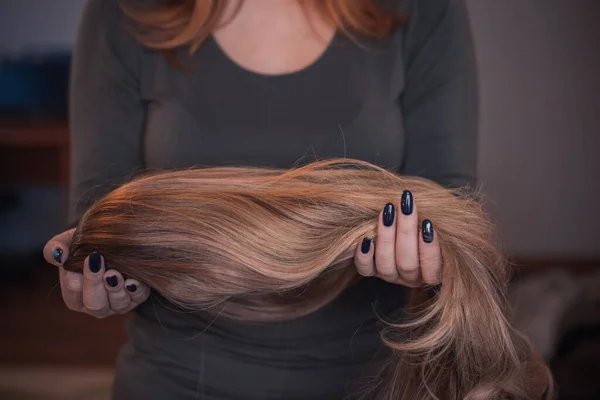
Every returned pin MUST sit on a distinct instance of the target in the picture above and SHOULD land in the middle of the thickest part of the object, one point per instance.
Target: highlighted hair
(277, 245)
(171, 24)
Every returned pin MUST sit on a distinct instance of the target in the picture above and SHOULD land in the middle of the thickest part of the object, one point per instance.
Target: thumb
(56, 251)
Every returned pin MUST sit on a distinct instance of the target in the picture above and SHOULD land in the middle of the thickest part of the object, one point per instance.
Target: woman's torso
(345, 104)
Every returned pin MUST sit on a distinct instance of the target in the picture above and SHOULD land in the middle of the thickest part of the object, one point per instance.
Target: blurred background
(539, 72)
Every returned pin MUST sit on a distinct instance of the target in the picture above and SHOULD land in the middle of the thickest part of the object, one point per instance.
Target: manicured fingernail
(406, 203)
(427, 231)
(95, 262)
(132, 288)
(58, 255)
(365, 246)
(388, 214)
(112, 281)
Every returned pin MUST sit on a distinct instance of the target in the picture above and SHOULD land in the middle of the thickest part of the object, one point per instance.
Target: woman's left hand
(403, 253)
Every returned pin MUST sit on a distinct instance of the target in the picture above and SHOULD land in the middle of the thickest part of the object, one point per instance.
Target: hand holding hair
(269, 245)
(404, 253)
(93, 290)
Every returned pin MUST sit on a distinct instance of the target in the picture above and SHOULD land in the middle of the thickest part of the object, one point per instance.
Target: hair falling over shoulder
(169, 24)
(277, 245)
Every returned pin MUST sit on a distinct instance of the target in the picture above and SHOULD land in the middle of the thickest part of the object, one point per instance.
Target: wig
(276, 245)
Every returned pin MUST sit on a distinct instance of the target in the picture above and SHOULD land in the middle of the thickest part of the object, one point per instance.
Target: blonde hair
(180, 23)
(276, 245)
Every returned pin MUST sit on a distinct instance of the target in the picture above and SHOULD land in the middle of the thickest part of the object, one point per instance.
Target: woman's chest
(344, 105)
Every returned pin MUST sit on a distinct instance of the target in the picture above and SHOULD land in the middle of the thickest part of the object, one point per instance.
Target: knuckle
(94, 308)
(386, 270)
(409, 271)
(137, 301)
(119, 303)
(404, 268)
(366, 271)
(410, 274)
(140, 298)
(74, 285)
(407, 262)
(407, 229)
(408, 226)
(389, 277)
(363, 260)
(120, 308)
(95, 304)
(431, 280)
(123, 309)
(97, 312)
(73, 307)
(386, 241)
(384, 261)
(95, 291)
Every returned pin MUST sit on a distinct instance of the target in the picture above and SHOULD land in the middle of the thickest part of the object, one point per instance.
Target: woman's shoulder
(111, 12)
(434, 21)
(104, 28)
(107, 12)
(428, 6)
(107, 18)
(425, 14)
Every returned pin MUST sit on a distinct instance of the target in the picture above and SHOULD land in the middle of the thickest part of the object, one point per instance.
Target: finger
(430, 255)
(56, 251)
(385, 265)
(95, 296)
(363, 258)
(71, 287)
(407, 241)
(138, 292)
(118, 298)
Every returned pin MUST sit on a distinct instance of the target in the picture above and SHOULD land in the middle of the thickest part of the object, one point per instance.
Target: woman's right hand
(96, 291)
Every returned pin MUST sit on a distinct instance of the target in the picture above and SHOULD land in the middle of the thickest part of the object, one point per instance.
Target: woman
(266, 84)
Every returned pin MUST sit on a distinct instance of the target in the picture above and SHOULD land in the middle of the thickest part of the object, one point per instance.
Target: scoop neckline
(321, 59)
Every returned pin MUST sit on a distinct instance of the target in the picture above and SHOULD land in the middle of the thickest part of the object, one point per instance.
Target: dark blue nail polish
(58, 255)
(95, 262)
(112, 281)
(427, 231)
(406, 202)
(132, 288)
(388, 214)
(365, 246)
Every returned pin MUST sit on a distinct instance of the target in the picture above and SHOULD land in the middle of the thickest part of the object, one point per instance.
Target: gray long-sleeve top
(407, 102)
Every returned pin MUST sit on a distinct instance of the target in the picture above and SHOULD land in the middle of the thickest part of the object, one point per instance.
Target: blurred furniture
(34, 82)
(35, 151)
(34, 146)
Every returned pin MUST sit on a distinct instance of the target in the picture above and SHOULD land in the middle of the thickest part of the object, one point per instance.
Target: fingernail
(388, 214)
(132, 288)
(427, 231)
(112, 281)
(406, 203)
(365, 246)
(95, 262)
(58, 255)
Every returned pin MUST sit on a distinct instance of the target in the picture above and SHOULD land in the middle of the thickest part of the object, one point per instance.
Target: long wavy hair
(169, 24)
(269, 244)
